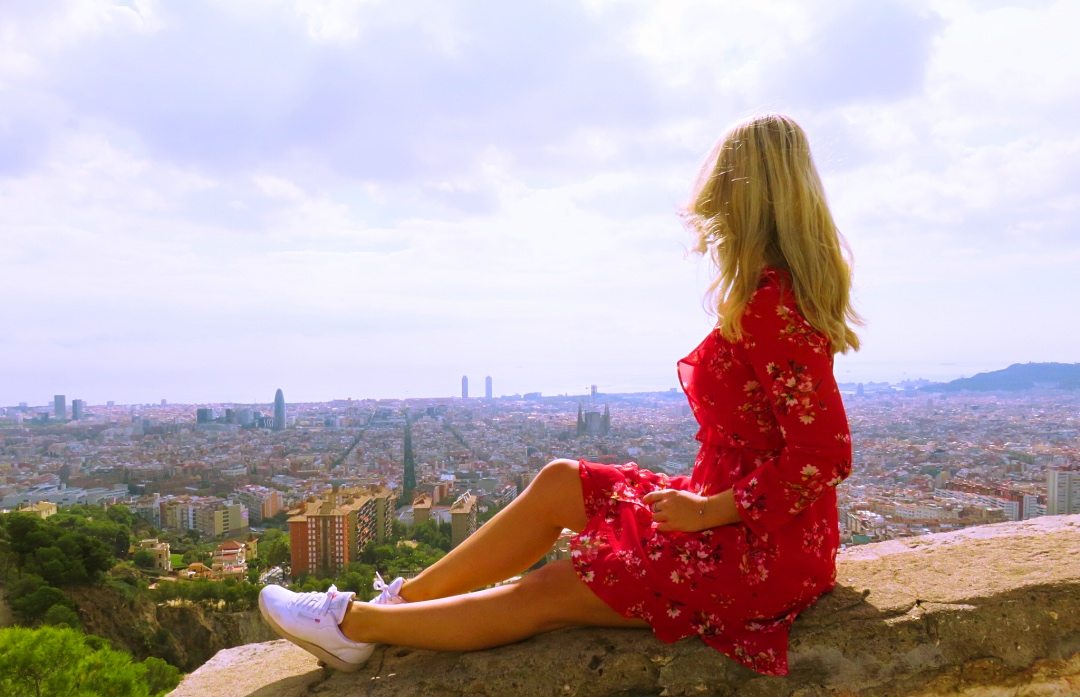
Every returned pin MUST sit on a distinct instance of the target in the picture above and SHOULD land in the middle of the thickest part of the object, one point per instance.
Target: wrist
(718, 510)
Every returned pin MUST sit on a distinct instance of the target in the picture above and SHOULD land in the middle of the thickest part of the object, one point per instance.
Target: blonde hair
(759, 202)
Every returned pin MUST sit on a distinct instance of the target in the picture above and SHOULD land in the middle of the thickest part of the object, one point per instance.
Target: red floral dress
(773, 428)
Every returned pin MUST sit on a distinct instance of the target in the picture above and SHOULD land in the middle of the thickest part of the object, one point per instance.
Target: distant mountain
(1019, 376)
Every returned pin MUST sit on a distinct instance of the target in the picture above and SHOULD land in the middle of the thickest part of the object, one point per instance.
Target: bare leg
(549, 598)
(515, 539)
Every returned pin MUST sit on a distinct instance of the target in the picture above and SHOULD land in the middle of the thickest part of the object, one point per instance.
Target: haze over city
(204, 201)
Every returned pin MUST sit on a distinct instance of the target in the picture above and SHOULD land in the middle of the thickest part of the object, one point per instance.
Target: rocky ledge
(983, 612)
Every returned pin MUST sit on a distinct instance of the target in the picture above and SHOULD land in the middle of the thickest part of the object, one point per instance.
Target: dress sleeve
(793, 366)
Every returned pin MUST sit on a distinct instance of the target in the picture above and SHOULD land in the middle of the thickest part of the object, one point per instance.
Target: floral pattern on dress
(773, 429)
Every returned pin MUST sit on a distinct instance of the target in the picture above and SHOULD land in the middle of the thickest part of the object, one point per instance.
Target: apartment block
(462, 518)
(1062, 491)
(327, 534)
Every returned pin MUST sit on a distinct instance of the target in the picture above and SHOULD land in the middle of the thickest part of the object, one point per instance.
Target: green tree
(274, 547)
(30, 598)
(121, 515)
(432, 533)
(59, 552)
(161, 677)
(62, 616)
(144, 559)
(62, 662)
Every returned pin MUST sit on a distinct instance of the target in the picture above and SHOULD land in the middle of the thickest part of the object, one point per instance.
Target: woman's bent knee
(557, 492)
(562, 467)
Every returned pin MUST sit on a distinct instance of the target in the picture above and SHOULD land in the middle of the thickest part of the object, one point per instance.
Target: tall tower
(1062, 492)
(77, 406)
(464, 386)
(487, 387)
(279, 411)
(408, 485)
(60, 406)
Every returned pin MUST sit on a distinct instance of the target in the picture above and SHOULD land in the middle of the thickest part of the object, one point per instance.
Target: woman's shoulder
(774, 288)
(774, 310)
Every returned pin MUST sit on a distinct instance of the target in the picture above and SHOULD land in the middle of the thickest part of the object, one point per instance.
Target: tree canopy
(63, 662)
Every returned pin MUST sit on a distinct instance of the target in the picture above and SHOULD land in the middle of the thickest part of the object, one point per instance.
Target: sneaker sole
(314, 649)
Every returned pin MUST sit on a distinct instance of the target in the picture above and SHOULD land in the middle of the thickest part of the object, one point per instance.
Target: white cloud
(334, 20)
(502, 193)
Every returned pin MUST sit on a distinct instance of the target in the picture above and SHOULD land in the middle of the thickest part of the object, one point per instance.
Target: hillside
(1019, 376)
(183, 633)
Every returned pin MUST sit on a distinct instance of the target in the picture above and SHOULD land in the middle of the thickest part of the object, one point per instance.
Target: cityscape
(343, 472)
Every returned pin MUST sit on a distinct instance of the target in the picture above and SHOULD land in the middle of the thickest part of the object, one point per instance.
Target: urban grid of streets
(924, 462)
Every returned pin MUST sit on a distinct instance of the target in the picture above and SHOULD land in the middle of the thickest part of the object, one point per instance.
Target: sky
(206, 200)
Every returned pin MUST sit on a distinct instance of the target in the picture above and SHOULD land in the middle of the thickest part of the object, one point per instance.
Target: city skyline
(585, 392)
(409, 194)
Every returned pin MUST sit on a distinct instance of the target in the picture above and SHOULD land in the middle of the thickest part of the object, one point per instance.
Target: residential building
(1062, 491)
(162, 555)
(462, 518)
(262, 502)
(327, 534)
(211, 516)
(221, 519)
(230, 558)
(42, 509)
(421, 508)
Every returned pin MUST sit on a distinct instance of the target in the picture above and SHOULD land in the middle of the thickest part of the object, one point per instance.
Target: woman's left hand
(676, 510)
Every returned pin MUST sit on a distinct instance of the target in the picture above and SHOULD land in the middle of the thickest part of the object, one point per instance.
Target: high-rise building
(221, 518)
(261, 502)
(77, 406)
(60, 406)
(279, 411)
(212, 516)
(409, 480)
(1062, 492)
(245, 417)
(464, 386)
(327, 534)
(204, 415)
(487, 387)
(462, 518)
(594, 423)
(421, 509)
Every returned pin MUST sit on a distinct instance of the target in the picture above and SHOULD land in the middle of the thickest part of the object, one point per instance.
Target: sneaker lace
(316, 604)
(387, 591)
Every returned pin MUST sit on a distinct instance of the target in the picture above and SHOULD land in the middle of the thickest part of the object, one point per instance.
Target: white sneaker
(310, 620)
(389, 594)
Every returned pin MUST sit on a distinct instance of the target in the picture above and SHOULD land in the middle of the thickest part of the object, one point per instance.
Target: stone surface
(984, 612)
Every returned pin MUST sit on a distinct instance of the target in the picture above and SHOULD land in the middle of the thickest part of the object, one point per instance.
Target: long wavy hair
(758, 202)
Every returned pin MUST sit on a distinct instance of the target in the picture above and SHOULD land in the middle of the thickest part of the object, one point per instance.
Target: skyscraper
(409, 481)
(77, 406)
(487, 387)
(60, 406)
(279, 411)
(1062, 492)
(464, 386)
